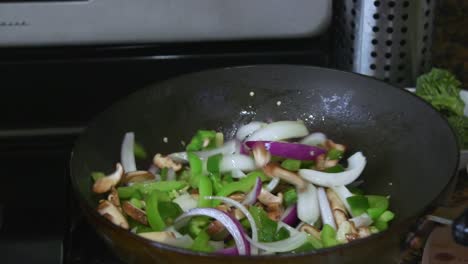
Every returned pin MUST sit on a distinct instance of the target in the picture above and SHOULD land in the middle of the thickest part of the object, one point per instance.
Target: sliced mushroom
(110, 211)
(275, 170)
(309, 229)
(329, 144)
(238, 197)
(338, 208)
(162, 237)
(223, 207)
(166, 162)
(113, 197)
(103, 185)
(137, 176)
(217, 231)
(237, 213)
(135, 213)
(261, 155)
(266, 197)
(274, 211)
(320, 162)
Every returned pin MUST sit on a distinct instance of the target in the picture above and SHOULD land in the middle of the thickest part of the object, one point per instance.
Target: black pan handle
(460, 228)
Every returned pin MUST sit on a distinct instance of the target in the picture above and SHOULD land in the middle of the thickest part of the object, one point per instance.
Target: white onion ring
(279, 131)
(246, 130)
(237, 161)
(325, 209)
(314, 139)
(308, 210)
(127, 157)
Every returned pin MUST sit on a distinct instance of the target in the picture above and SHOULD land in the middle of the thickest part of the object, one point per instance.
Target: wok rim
(99, 220)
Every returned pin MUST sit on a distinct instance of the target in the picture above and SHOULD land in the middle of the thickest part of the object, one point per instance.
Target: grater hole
(425, 38)
(377, 3)
(406, 4)
(401, 67)
(353, 12)
(428, 12)
(426, 25)
(390, 17)
(388, 55)
(373, 66)
(402, 55)
(387, 67)
(352, 37)
(376, 16)
(353, 25)
(404, 17)
(391, 4)
(344, 8)
(373, 54)
(402, 42)
(428, 1)
(404, 29)
(354, 1)
(424, 50)
(389, 30)
(375, 42)
(375, 29)
(423, 62)
(389, 42)
(350, 62)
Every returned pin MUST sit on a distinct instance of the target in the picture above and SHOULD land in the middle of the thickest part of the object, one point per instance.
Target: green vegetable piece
(245, 224)
(358, 203)
(265, 226)
(381, 225)
(198, 224)
(205, 188)
(213, 163)
(126, 192)
(152, 212)
(184, 175)
(169, 211)
(200, 138)
(311, 244)
(335, 169)
(164, 186)
(281, 234)
(307, 164)
(243, 185)
(290, 197)
(377, 205)
(201, 243)
(442, 90)
(258, 173)
(216, 182)
(328, 236)
(164, 173)
(139, 151)
(334, 154)
(196, 169)
(136, 202)
(355, 190)
(291, 164)
(142, 229)
(96, 175)
(386, 216)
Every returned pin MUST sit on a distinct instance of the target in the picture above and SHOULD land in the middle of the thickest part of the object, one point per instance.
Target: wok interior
(411, 151)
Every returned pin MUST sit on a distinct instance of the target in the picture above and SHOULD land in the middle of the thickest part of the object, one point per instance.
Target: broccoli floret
(442, 90)
(458, 125)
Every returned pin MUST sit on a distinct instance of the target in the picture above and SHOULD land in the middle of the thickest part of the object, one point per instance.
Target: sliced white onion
(356, 164)
(246, 130)
(280, 130)
(237, 174)
(231, 224)
(362, 220)
(237, 161)
(228, 148)
(291, 243)
(248, 215)
(342, 192)
(292, 230)
(325, 209)
(180, 157)
(153, 169)
(272, 184)
(127, 156)
(308, 210)
(174, 231)
(171, 175)
(251, 197)
(186, 202)
(314, 139)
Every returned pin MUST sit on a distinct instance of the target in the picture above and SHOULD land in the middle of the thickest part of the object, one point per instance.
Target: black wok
(411, 151)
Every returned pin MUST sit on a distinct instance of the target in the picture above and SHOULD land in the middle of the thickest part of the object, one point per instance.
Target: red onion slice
(127, 156)
(356, 164)
(325, 209)
(251, 197)
(289, 216)
(289, 150)
(231, 251)
(233, 226)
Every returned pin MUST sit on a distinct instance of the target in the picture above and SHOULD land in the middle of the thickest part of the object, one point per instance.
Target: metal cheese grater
(386, 39)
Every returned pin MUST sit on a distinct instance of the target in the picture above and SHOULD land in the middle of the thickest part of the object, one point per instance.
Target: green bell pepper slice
(201, 243)
(169, 211)
(96, 175)
(196, 169)
(334, 154)
(291, 164)
(265, 226)
(136, 202)
(198, 140)
(145, 188)
(213, 163)
(335, 169)
(358, 203)
(152, 212)
(205, 188)
(328, 236)
(377, 205)
(139, 151)
(290, 197)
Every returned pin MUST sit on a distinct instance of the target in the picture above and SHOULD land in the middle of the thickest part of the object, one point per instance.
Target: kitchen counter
(450, 38)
